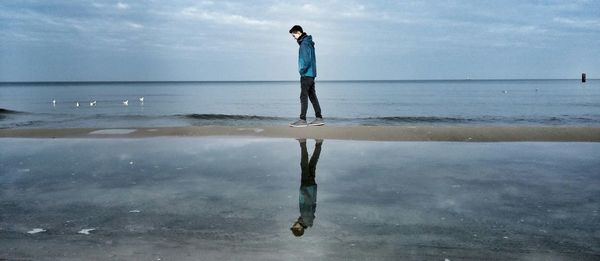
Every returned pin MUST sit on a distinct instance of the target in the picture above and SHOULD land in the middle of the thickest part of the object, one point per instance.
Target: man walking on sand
(307, 66)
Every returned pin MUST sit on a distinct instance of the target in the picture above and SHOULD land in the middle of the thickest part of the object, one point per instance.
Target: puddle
(265, 199)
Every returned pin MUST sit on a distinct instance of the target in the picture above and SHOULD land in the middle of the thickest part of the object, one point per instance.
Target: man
(307, 67)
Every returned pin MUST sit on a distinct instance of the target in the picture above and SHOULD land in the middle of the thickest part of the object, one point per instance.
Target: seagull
(142, 99)
(53, 102)
(126, 102)
(36, 230)
(86, 231)
(93, 103)
(77, 104)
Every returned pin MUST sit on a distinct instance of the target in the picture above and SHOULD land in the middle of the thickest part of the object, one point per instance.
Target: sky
(96, 40)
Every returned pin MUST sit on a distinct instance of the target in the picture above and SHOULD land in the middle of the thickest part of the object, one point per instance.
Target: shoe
(317, 122)
(299, 123)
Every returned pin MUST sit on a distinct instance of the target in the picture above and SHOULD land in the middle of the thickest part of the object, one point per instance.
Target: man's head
(297, 229)
(296, 31)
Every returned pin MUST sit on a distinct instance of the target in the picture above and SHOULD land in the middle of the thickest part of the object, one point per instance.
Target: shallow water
(236, 198)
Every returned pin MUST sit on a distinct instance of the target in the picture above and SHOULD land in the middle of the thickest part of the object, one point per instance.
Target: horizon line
(240, 81)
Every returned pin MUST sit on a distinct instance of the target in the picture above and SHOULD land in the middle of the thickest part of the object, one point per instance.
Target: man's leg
(304, 86)
(312, 94)
(312, 164)
(304, 165)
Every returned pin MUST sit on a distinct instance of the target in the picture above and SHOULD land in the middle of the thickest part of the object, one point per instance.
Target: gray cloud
(353, 38)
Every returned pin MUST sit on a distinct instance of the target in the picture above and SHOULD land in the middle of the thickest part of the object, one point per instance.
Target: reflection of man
(308, 188)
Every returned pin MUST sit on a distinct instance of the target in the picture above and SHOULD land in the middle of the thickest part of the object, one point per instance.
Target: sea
(562, 102)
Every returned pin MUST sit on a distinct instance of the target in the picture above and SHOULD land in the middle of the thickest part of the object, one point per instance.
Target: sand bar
(374, 133)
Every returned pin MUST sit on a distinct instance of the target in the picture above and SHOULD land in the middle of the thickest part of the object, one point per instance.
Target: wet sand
(371, 133)
(226, 198)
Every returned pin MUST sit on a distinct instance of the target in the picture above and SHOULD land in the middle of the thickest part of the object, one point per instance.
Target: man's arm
(305, 58)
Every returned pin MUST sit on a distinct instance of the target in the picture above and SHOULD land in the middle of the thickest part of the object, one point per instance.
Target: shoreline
(366, 133)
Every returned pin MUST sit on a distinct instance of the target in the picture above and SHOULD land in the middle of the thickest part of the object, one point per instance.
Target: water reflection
(308, 188)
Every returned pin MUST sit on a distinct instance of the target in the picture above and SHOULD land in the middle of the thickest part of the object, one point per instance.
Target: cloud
(321, 11)
(223, 18)
(355, 11)
(230, 30)
(309, 8)
(122, 6)
(516, 29)
(97, 5)
(591, 24)
(134, 25)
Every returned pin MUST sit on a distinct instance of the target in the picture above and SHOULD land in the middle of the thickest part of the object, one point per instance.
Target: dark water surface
(236, 199)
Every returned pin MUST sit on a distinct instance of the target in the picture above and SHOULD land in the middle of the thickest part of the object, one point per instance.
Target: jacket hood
(305, 37)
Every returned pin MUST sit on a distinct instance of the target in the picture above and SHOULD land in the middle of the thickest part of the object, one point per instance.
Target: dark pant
(307, 91)
(309, 167)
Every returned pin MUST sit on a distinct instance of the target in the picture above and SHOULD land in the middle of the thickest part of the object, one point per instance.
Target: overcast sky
(248, 40)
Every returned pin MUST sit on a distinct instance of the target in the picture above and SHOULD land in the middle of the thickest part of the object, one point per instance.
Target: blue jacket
(307, 62)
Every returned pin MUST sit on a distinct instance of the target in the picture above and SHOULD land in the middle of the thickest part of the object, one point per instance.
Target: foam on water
(112, 132)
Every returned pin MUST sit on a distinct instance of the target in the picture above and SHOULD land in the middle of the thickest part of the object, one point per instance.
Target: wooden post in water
(583, 77)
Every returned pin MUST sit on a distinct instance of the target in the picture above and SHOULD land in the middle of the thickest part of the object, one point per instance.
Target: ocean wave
(392, 120)
(7, 111)
(550, 120)
(228, 117)
(417, 119)
(16, 119)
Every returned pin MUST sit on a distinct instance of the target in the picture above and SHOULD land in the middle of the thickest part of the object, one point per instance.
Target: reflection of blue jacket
(307, 62)
(308, 204)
